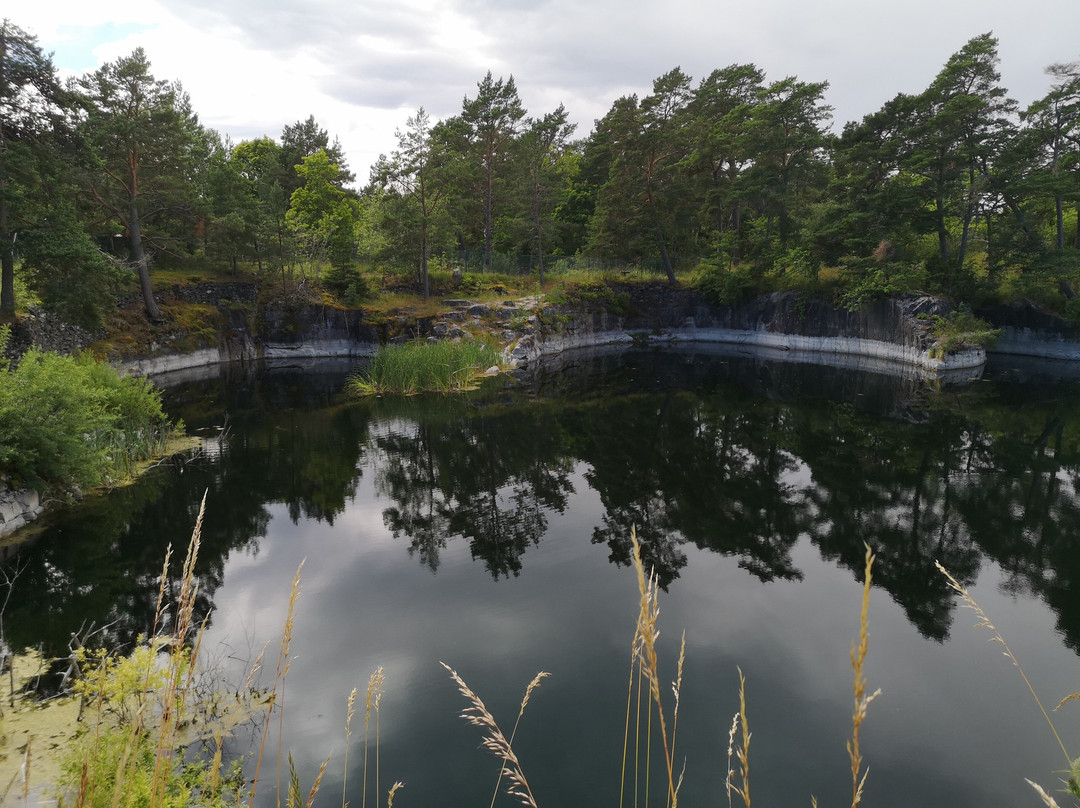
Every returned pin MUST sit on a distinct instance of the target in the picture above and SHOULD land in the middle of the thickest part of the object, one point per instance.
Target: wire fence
(519, 264)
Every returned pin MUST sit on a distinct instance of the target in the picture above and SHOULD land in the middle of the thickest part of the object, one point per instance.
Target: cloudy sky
(361, 67)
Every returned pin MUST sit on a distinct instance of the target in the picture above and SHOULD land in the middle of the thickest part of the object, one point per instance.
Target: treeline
(954, 189)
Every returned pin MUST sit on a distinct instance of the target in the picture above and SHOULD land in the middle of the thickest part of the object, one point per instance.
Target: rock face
(895, 330)
(18, 507)
(1027, 330)
(315, 331)
(277, 333)
(48, 332)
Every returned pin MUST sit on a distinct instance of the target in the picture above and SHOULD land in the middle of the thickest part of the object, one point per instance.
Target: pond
(493, 533)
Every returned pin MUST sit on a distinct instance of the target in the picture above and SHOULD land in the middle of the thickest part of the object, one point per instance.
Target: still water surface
(492, 533)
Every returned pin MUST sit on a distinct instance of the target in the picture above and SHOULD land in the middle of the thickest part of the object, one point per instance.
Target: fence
(517, 264)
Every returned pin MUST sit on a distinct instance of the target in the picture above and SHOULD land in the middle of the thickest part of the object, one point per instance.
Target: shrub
(864, 281)
(795, 270)
(347, 283)
(961, 330)
(67, 421)
(68, 272)
(723, 285)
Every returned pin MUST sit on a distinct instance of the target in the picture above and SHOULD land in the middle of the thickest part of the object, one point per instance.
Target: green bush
(347, 283)
(724, 285)
(864, 281)
(794, 270)
(961, 330)
(67, 421)
(68, 272)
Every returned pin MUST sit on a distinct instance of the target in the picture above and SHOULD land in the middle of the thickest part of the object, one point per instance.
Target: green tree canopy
(142, 141)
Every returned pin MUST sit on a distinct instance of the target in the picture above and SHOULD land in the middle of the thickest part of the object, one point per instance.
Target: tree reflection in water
(739, 456)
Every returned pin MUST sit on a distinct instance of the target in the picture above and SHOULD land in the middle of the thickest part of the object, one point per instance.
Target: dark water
(492, 533)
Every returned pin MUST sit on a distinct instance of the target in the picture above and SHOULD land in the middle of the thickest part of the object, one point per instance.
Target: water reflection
(739, 456)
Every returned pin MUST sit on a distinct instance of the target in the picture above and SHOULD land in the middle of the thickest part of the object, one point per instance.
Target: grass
(137, 709)
(960, 331)
(419, 367)
(137, 714)
(1072, 765)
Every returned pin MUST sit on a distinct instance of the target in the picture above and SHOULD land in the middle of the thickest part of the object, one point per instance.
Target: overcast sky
(361, 67)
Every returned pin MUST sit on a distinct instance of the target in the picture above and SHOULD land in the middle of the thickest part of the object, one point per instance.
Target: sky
(362, 67)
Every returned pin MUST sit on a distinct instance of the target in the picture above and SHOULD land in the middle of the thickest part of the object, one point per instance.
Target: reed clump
(421, 367)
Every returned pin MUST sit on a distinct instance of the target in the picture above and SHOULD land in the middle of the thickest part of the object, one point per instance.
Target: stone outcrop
(48, 332)
(18, 507)
(892, 330)
(278, 332)
(1028, 330)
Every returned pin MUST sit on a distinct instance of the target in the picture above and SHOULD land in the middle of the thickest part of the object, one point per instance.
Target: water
(492, 533)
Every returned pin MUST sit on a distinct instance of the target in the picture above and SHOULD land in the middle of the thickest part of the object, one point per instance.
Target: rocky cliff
(894, 330)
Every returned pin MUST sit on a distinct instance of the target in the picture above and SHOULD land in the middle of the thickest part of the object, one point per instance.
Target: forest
(737, 182)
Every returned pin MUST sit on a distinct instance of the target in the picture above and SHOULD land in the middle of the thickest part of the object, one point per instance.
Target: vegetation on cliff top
(953, 190)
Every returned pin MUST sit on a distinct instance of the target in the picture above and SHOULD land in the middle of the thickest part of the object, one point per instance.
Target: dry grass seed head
(996, 636)
(393, 790)
(318, 782)
(494, 740)
(535, 683)
(350, 710)
(1046, 798)
(728, 785)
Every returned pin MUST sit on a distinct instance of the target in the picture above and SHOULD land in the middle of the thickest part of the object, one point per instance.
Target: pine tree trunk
(665, 259)
(7, 259)
(142, 266)
(424, 266)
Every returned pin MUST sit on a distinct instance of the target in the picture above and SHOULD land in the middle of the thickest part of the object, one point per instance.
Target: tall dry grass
(139, 706)
(644, 664)
(862, 700)
(1072, 765)
(140, 761)
(494, 740)
(137, 756)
